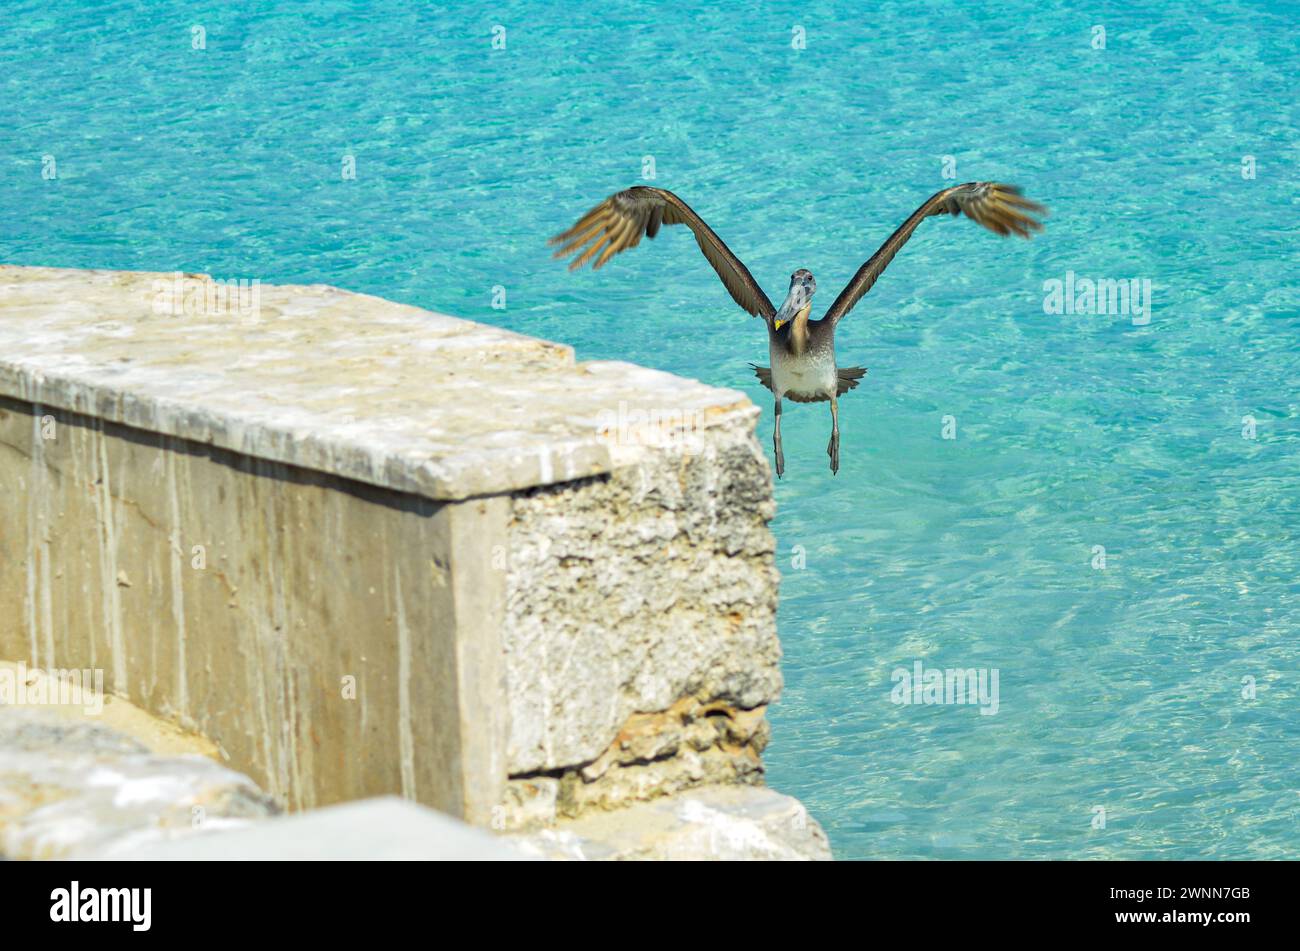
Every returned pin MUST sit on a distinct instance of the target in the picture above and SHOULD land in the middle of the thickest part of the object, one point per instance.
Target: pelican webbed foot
(833, 448)
(776, 442)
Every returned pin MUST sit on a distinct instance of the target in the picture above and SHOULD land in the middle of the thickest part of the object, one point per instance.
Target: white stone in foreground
(719, 823)
(72, 786)
(384, 828)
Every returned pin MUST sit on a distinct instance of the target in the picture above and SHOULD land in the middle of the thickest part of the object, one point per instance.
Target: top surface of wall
(329, 380)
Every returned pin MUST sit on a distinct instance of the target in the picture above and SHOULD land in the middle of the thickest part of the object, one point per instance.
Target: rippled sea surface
(1126, 688)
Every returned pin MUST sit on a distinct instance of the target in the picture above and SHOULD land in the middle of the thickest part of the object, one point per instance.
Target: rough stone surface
(721, 823)
(76, 787)
(654, 754)
(628, 594)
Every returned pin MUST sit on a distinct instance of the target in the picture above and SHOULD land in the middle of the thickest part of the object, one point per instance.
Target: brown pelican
(802, 351)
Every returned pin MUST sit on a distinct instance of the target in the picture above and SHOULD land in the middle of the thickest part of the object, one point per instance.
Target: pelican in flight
(801, 351)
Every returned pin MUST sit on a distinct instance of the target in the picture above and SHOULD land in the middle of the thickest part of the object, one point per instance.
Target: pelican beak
(794, 302)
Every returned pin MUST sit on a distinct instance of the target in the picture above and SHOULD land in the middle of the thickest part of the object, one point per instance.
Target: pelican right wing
(619, 221)
(998, 207)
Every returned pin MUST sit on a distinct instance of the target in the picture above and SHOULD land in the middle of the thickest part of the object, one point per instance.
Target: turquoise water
(1120, 687)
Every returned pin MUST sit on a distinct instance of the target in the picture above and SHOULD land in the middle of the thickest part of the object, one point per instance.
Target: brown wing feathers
(998, 207)
(619, 221)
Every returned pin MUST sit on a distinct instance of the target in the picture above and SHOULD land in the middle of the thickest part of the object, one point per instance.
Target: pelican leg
(776, 441)
(833, 450)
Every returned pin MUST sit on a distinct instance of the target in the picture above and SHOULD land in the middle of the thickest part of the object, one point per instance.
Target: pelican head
(802, 287)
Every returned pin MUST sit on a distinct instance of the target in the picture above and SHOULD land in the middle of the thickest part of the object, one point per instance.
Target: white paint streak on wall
(110, 597)
(180, 562)
(257, 672)
(34, 534)
(406, 740)
(279, 612)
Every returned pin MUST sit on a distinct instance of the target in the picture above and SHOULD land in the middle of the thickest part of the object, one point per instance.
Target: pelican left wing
(996, 206)
(619, 221)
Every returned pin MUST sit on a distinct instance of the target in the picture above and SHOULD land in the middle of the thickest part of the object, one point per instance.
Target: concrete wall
(239, 596)
(551, 583)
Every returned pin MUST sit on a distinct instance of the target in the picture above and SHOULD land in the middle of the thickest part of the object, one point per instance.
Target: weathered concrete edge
(477, 528)
(123, 392)
(487, 473)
